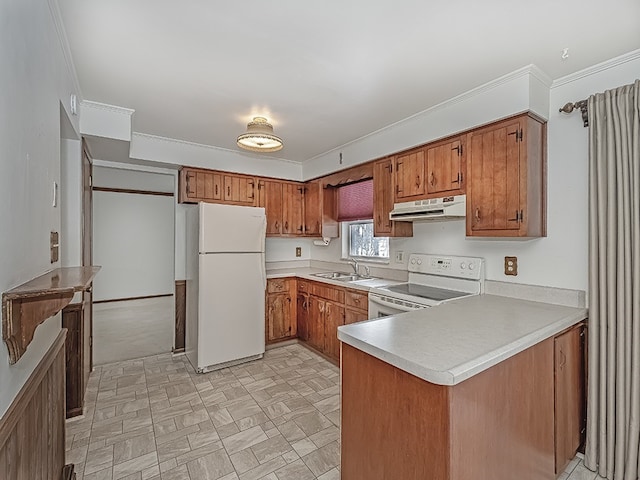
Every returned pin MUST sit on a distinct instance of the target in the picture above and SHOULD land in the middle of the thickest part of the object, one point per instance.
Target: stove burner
(423, 291)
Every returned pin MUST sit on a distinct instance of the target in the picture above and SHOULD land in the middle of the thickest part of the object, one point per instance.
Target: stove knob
(419, 262)
(462, 266)
(413, 261)
(471, 266)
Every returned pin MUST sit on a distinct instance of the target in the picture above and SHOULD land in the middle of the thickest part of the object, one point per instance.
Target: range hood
(432, 209)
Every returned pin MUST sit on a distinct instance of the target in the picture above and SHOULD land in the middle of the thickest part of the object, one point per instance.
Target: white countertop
(454, 341)
(307, 274)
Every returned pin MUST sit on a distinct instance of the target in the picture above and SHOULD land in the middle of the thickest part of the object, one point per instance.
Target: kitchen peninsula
(480, 387)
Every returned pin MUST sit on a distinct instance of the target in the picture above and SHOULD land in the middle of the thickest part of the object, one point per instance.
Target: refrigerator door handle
(264, 273)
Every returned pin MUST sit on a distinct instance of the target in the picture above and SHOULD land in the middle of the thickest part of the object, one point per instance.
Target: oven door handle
(382, 302)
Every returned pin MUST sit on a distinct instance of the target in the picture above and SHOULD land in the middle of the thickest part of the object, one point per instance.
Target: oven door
(384, 306)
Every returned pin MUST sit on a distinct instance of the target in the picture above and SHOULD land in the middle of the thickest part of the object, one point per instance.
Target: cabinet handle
(356, 301)
(418, 181)
(379, 220)
(300, 228)
(432, 179)
(277, 225)
(398, 189)
(229, 191)
(563, 359)
(457, 180)
(216, 190)
(477, 214)
(514, 219)
(286, 226)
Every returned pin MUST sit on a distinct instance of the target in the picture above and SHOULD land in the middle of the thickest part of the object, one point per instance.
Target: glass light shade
(259, 137)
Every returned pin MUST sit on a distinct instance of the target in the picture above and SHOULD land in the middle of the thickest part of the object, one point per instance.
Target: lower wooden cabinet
(76, 318)
(570, 404)
(280, 310)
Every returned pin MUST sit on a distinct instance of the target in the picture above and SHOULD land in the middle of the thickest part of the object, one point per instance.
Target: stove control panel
(449, 266)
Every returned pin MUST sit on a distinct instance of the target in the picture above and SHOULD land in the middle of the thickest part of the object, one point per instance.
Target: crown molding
(157, 138)
(107, 108)
(528, 70)
(599, 67)
(56, 16)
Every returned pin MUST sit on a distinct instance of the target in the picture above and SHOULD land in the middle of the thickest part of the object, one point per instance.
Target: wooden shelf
(28, 305)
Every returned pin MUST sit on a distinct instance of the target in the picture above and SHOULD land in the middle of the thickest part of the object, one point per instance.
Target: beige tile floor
(147, 325)
(273, 419)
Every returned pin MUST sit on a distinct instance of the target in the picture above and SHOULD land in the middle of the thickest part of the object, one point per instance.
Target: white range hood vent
(432, 209)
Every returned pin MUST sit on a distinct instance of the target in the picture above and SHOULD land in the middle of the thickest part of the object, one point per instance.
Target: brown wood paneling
(502, 419)
(383, 194)
(394, 425)
(409, 174)
(181, 315)
(328, 292)
(333, 318)
(32, 431)
(312, 209)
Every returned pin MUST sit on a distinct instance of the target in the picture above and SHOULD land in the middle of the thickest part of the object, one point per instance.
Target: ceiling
(324, 73)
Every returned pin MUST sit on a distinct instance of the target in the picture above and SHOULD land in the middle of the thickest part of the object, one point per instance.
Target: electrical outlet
(511, 266)
(399, 257)
(298, 251)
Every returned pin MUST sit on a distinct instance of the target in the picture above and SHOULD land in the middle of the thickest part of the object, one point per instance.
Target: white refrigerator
(226, 282)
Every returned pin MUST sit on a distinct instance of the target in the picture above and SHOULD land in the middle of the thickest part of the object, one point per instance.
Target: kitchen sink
(332, 275)
(341, 276)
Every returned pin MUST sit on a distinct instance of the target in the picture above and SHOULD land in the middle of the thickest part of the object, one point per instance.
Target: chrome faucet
(354, 263)
(367, 271)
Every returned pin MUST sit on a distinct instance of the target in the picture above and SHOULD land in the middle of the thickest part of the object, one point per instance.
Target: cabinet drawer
(277, 285)
(330, 293)
(356, 299)
(304, 286)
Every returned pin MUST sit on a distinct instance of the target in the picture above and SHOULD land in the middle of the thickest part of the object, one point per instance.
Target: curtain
(613, 398)
(355, 201)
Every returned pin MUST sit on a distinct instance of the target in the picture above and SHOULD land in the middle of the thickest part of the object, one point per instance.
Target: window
(360, 242)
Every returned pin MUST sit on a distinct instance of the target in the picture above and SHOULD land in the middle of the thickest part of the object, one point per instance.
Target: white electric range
(433, 279)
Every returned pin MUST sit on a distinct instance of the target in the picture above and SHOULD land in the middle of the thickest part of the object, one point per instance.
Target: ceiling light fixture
(259, 137)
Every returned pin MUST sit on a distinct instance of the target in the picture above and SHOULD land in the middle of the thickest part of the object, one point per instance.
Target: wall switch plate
(511, 266)
(54, 245)
(399, 257)
(298, 251)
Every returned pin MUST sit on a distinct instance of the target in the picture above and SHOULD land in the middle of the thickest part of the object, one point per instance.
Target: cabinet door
(333, 318)
(270, 197)
(312, 209)
(303, 316)
(383, 203)
(382, 197)
(495, 173)
(569, 395)
(315, 325)
(188, 191)
(444, 168)
(410, 176)
(353, 316)
(74, 359)
(278, 316)
(292, 212)
(239, 190)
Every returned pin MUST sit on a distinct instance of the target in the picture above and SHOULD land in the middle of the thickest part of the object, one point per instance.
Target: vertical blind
(355, 201)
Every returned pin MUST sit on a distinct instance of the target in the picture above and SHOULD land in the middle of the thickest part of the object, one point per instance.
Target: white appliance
(432, 209)
(433, 280)
(226, 282)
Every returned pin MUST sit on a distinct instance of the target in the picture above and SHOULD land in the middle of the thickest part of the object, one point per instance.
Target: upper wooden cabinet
(270, 197)
(312, 209)
(199, 185)
(409, 175)
(445, 167)
(506, 191)
(293, 201)
(383, 203)
(239, 190)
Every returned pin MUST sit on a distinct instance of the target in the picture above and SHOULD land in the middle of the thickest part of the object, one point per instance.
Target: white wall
(133, 241)
(34, 81)
(71, 202)
(559, 260)
(284, 249)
